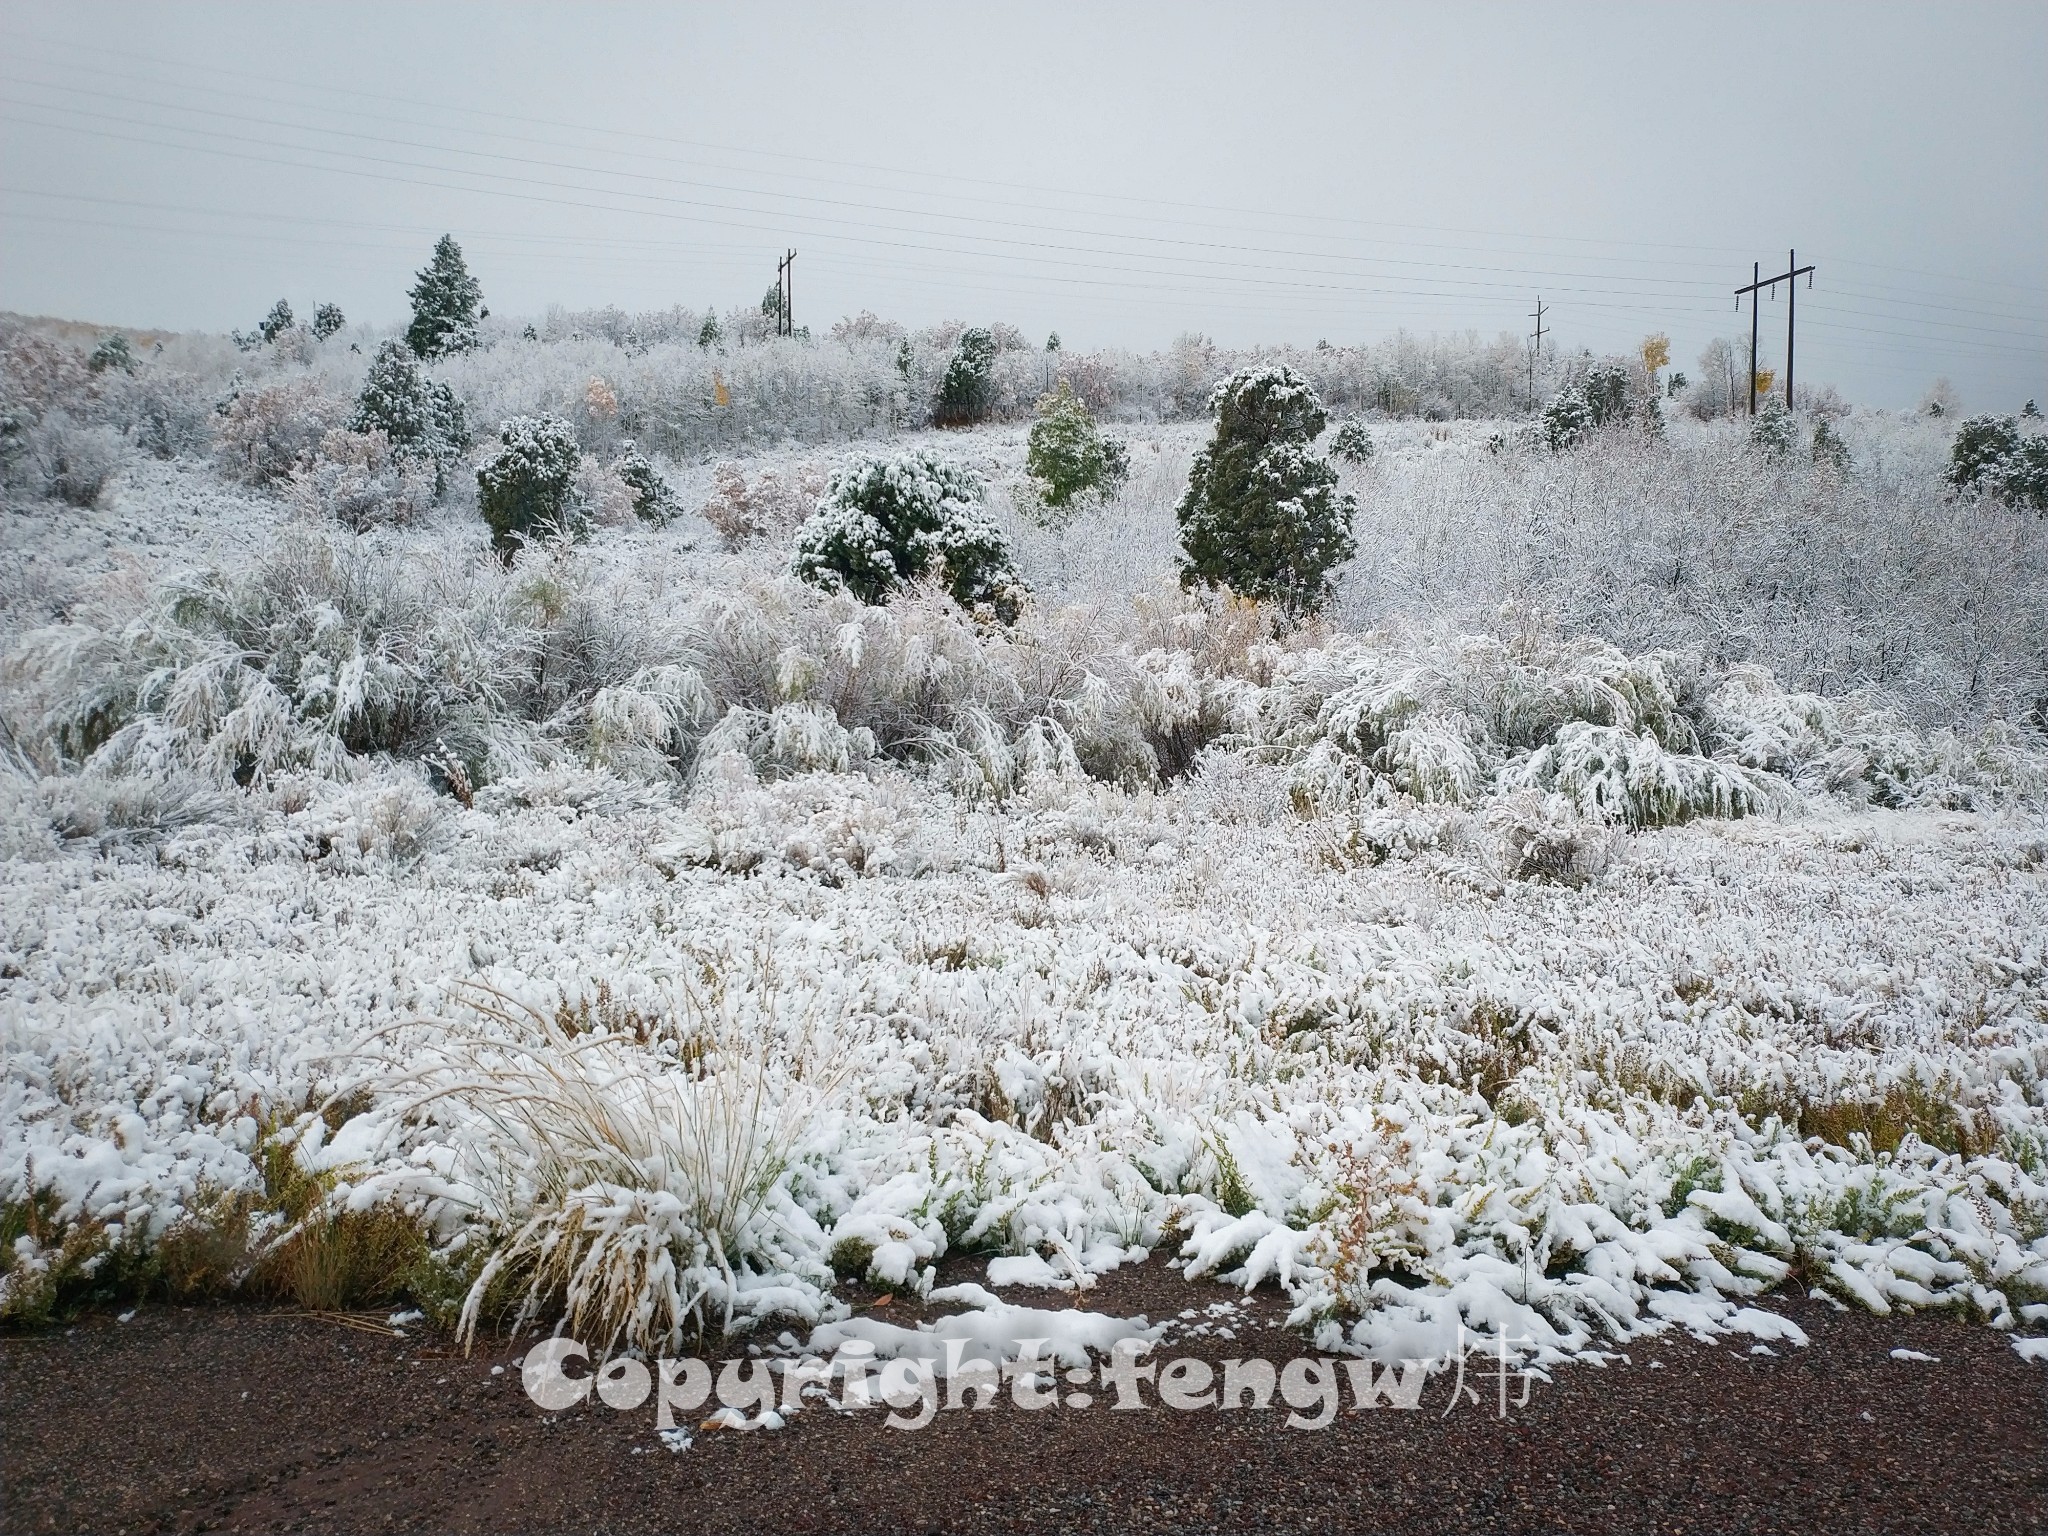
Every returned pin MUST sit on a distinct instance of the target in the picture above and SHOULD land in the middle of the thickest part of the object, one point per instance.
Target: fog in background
(1119, 174)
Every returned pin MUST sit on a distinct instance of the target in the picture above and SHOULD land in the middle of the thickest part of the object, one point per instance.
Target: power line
(1063, 251)
(302, 87)
(523, 180)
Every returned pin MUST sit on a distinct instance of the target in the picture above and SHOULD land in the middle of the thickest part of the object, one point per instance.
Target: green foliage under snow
(1262, 515)
(887, 521)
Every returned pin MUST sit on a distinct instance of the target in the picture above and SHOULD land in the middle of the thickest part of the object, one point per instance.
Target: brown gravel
(232, 1418)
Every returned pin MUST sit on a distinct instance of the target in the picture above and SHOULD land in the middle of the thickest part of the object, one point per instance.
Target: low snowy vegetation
(1610, 895)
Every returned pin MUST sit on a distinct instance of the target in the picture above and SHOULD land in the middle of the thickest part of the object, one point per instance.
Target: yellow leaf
(720, 395)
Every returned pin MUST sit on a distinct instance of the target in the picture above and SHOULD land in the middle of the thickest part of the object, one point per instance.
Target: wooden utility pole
(1758, 282)
(1534, 351)
(785, 295)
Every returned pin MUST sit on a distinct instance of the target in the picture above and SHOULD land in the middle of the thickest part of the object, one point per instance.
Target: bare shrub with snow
(269, 430)
(357, 481)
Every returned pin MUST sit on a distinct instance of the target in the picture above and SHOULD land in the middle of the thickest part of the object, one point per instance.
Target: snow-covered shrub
(446, 305)
(654, 501)
(1614, 775)
(967, 390)
(773, 506)
(1352, 443)
(359, 482)
(527, 489)
(166, 413)
(38, 376)
(1616, 735)
(602, 495)
(887, 521)
(76, 461)
(419, 417)
(265, 433)
(1853, 746)
(1262, 515)
(1069, 458)
(107, 810)
(1544, 837)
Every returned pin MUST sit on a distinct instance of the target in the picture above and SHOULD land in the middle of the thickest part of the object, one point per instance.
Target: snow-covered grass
(1452, 962)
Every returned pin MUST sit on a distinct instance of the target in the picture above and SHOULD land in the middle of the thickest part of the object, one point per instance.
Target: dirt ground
(240, 1419)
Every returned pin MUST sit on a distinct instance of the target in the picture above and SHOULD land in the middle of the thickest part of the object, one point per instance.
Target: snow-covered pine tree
(446, 304)
(327, 319)
(1773, 433)
(112, 352)
(1567, 419)
(1069, 458)
(967, 391)
(420, 417)
(277, 322)
(1352, 443)
(1829, 450)
(1262, 515)
(1981, 447)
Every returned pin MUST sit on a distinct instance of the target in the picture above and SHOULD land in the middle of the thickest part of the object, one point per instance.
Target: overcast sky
(1122, 174)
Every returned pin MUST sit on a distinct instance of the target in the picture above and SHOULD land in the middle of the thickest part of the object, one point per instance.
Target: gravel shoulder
(240, 1419)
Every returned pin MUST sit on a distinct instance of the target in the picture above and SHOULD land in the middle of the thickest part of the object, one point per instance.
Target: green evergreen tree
(1352, 443)
(277, 322)
(1067, 455)
(446, 305)
(967, 391)
(112, 352)
(327, 319)
(1981, 447)
(1262, 515)
(653, 499)
(1829, 450)
(1773, 433)
(1567, 419)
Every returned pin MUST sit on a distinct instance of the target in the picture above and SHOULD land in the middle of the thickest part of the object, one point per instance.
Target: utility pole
(1535, 351)
(1758, 282)
(785, 280)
